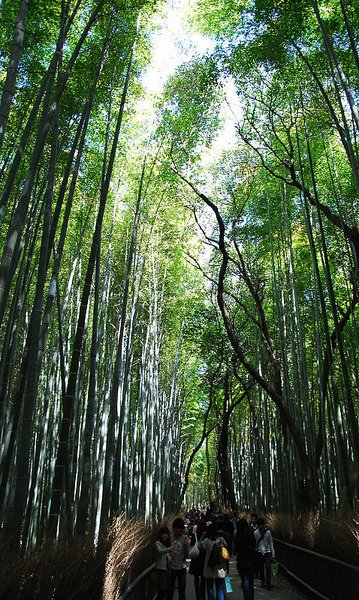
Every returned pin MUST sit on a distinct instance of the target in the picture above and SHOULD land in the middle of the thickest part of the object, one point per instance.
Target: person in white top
(164, 550)
(178, 562)
(265, 553)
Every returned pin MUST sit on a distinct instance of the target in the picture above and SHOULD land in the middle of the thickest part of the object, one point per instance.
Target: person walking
(253, 524)
(265, 553)
(178, 571)
(164, 551)
(246, 557)
(196, 565)
(215, 567)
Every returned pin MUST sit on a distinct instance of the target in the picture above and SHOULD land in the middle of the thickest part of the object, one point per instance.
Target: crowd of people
(208, 538)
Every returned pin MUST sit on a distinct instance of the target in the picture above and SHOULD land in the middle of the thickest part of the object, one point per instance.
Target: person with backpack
(215, 566)
(265, 553)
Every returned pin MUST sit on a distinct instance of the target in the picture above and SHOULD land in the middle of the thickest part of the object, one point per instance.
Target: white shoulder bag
(194, 550)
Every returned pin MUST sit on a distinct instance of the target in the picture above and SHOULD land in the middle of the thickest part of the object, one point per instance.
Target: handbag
(224, 553)
(227, 583)
(275, 567)
(194, 550)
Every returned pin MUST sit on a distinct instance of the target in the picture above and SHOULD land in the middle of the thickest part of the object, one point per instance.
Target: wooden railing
(135, 582)
(327, 577)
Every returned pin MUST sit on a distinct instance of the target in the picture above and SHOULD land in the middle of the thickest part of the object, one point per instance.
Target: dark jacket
(246, 553)
(196, 565)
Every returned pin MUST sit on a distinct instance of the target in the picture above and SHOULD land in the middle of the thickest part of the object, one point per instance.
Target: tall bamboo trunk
(59, 482)
(17, 222)
(14, 521)
(15, 55)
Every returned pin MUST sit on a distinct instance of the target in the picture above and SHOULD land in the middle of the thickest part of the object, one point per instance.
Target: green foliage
(190, 108)
(222, 20)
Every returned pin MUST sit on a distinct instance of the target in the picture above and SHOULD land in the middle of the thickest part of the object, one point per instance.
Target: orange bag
(225, 553)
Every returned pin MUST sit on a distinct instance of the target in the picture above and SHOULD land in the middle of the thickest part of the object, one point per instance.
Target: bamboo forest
(179, 264)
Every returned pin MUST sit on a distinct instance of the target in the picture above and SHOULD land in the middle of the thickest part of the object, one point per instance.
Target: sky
(173, 43)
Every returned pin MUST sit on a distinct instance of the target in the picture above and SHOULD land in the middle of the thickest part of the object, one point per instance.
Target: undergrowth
(56, 572)
(336, 536)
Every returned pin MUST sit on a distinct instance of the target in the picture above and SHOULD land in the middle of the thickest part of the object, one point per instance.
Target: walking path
(283, 589)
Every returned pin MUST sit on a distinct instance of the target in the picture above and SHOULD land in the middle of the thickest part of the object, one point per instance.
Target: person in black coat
(196, 565)
(246, 557)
